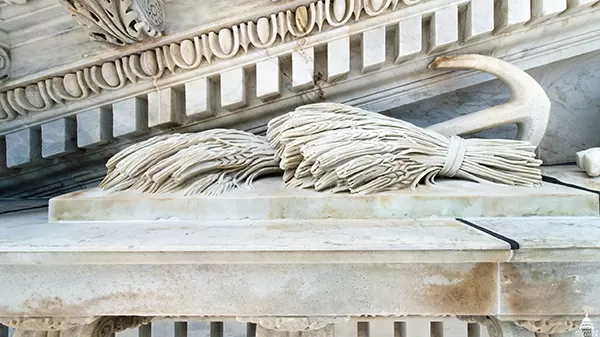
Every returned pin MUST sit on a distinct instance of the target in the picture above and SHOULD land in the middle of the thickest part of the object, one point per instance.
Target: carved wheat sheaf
(205, 163)
(325, 146)
(335, 147)
(125, 26)
(338, 148)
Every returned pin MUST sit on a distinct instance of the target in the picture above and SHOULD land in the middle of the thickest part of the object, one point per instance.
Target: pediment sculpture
(339, 148)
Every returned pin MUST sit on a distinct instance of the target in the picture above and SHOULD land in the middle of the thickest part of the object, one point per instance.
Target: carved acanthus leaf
(120, 22)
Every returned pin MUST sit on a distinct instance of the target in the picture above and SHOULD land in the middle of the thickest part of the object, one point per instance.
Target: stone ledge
(271, 200)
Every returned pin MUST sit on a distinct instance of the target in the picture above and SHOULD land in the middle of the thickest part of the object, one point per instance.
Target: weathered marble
(321, 241)
(130, 117)
(165, 108)
(198, 103)
(571, 174)
(94, 127)
(23, 147)
(329, 268)
(572, 238)
(59, 137)
(571, 85)
(270, 199)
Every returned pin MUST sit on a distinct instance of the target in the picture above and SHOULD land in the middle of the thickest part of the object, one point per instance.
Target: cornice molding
(191, 53)
(271, 34)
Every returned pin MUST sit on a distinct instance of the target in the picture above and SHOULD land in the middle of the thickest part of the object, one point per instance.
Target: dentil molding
(185, 55)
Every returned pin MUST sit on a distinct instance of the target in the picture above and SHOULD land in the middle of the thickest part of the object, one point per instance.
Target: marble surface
(270, 200)
(572, 86)
(571, 174)
(205, 242)
(130, 268)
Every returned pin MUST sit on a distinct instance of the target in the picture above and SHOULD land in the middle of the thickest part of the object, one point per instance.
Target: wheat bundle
(328, 146)
(205, 163)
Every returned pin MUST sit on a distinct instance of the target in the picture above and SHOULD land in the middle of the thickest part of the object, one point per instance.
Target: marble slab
(572, 175)
(271, 200)
(249, 241)
(548, 239)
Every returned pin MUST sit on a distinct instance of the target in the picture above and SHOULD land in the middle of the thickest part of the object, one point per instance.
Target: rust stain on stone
(536, 288)
(37, 305)
(472, 292)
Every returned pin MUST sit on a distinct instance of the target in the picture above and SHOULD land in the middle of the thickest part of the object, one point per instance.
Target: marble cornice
(317, 20)
(195, 52)
(310, 25)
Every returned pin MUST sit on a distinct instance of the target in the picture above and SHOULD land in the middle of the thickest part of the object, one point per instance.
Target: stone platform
(271, 200)
(502, 267)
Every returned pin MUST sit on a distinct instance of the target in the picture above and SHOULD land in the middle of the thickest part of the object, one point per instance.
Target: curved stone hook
(528, 107)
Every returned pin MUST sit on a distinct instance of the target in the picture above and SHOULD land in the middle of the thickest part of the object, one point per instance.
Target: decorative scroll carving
(73, 327)
(4, 65)
(525, 327)
(294, 326)
(120, 22)
(130, 27)
(550, 325)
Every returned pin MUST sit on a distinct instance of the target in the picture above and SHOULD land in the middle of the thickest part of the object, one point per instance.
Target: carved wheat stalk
(335, 147)
(205, 163)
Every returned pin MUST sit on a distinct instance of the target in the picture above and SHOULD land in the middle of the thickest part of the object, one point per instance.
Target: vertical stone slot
(362, 329)
(400, 329)
(145, 330)
(473, 330)
(181, 329)
(216, 329)
(251, 330)
(436, 329)
(2, 164)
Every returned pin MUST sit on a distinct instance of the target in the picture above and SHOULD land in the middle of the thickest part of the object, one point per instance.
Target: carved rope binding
(186, 55)
(118, 22)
